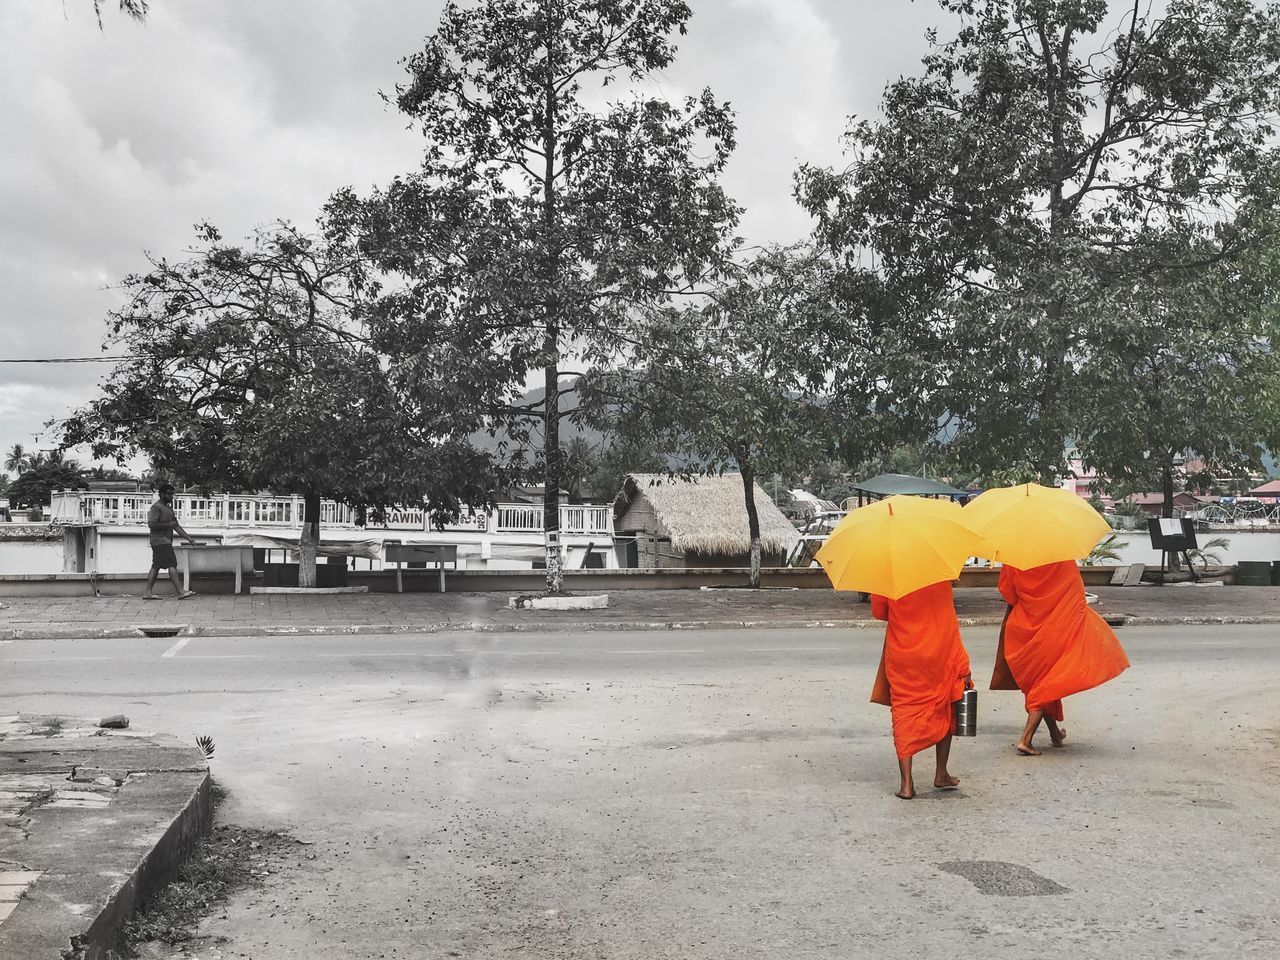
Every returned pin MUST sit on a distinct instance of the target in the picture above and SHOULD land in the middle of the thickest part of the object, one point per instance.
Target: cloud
(115, 142)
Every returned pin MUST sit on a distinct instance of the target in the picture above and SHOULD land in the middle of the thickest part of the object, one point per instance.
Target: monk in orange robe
(924, 669)
(1052, 645)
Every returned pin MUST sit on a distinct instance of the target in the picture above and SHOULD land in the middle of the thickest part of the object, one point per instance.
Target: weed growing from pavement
(50, 727)
(229, 859)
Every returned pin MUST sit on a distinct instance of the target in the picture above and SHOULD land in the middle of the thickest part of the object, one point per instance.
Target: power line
(65, 359)
(238, 352)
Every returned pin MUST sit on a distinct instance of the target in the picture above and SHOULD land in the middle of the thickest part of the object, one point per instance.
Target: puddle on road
(995, 878)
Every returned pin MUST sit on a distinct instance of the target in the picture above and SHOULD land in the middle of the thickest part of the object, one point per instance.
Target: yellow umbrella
(1029, 525)
(896, 546)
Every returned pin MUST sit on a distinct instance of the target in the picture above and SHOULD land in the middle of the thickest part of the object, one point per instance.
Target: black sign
(1172, 535)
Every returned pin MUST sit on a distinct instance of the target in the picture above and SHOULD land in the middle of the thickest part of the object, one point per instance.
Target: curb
(95, 866)
(152, 873)
(586, 626)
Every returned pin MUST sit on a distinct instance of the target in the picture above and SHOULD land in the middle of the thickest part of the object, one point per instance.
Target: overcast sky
(116, 142)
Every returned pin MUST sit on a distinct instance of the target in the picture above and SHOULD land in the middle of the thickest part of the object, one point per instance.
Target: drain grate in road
(165, 630)
(996, 878)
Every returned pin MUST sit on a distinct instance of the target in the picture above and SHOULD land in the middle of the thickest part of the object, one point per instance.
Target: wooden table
(437, 553)
(213, 558)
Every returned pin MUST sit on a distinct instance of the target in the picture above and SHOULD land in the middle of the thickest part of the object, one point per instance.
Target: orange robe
(923, 666)
(1052, 645)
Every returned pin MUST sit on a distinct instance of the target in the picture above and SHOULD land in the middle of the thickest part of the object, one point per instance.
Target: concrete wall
(1243, 544)
(30, 556)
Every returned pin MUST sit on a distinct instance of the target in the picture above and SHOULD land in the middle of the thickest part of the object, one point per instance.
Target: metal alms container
(967, 714)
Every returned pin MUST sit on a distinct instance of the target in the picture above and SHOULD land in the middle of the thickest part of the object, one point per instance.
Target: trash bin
(1253, 573)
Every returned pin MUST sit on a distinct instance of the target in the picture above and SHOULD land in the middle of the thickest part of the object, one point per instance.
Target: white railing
(520, 518)
(586, 519)
(228, 511)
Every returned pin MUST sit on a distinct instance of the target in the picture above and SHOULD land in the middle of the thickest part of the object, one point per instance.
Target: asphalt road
(704, 794)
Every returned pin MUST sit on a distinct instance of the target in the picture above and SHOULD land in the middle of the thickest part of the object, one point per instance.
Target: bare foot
(1058, 737)
(1026, 749)
(946, 782)
(908, 795)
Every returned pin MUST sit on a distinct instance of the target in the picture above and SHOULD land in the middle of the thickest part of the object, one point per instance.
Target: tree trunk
(1055, 364)
(753, 521)
(551, 483)
(553, 472)
(1166, 507)
(309, 540)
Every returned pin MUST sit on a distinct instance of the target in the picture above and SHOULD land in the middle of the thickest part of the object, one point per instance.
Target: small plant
(206, 745)
(1105, 552)
(50, 727)
(1208, 554)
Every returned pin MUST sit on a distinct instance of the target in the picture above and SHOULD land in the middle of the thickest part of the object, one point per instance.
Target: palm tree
(1105, 552)
(17, 459)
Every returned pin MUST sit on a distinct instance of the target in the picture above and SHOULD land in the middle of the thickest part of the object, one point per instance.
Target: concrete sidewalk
(230, 615)
(92, 821)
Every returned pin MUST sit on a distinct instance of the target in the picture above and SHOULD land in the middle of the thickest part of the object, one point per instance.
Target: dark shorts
(163, 557)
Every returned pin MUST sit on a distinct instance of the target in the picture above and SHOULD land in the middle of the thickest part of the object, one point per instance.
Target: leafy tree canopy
(545, 214)
(1192, 367)
(249, 368)
(1043, 157)
(742, 381)
(34, 487)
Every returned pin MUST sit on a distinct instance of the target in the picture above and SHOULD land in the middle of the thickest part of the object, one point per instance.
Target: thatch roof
(707, 514)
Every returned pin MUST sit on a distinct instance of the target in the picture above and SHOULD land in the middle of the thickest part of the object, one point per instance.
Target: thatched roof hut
(697, 522)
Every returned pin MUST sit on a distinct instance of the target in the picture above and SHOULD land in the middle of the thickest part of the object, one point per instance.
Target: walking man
(164, 523)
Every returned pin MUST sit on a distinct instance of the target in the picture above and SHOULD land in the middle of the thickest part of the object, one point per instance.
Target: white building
(107, 532)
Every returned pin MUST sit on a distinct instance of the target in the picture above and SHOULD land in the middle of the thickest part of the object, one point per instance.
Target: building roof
(811, 504)
(707, 514)
(1154, 499)
(893, 484)
(1269, 489)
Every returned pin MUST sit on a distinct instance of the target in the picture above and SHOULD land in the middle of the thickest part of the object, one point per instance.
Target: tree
(624, 451)
(1033, 166)
(107, 473)
(56, 457)
(34, 487)
(136, 9)
(248, 369)
(1189, 370)
(17, 459)
(543, 217)
(740, 382)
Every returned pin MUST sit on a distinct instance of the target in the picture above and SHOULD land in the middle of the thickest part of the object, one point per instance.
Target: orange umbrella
(1029, 525)
(896, 546)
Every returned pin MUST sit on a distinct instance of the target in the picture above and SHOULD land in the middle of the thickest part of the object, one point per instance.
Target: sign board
(1172, 534)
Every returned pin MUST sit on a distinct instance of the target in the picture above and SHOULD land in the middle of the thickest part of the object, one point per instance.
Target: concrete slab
(87, 857)
(596, 602)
